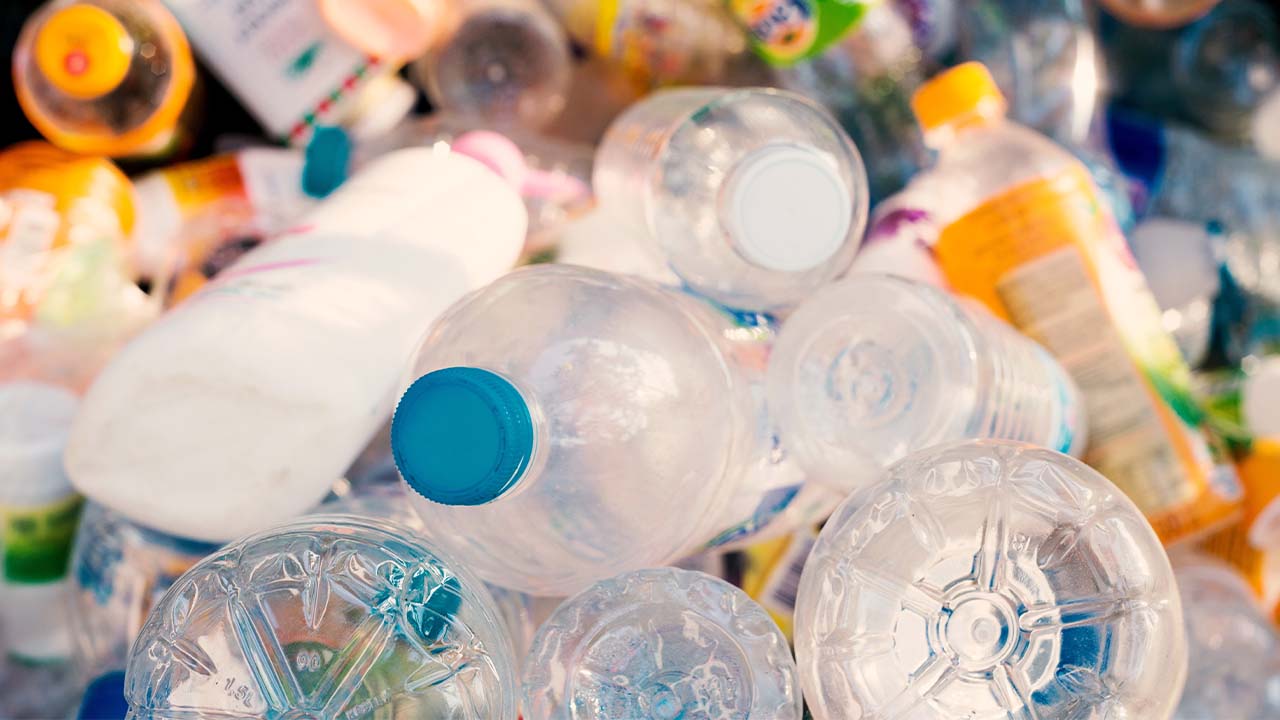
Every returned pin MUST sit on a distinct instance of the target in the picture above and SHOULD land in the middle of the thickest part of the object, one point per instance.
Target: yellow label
(201, 184)
(1260, 476)
(1261, 569)
(1049, 258)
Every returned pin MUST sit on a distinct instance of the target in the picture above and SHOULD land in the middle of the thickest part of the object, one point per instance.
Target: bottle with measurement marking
(989, 579)
(331, 616)
(106, 77)
(752, 196)
(872, 368)
(660, 643)
(1026, 232)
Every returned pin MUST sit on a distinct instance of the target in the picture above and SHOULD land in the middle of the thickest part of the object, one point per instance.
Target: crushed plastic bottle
(662, 643)
(872, 368)
(752, 196)
(329, 617)
(989, 579)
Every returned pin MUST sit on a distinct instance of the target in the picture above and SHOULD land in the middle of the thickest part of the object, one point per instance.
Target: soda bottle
(301, 340)
(752, 196)
(1027, 233)
(106, 77)
(872, 368)
(330, 616)
(660, 643)
(504, 61)
(989, 579)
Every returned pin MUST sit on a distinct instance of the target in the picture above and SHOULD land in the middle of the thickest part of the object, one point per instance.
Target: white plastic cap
(1178, 260)
(786, 208)
(1261, 400)
(383, 104)
(35, 419)
(1266, 127)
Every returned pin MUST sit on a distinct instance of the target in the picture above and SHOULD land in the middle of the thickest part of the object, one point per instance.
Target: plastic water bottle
(662, 643)
(752, 196)
(874, 367)
(1234, 670)
(300, 341)
(606, 417)
(989, 579)
(331, 616)
(1075, 290)
(506, 61)
(106, 77)
(118, 572)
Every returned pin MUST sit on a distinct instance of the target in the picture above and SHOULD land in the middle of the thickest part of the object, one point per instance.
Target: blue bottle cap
(104, 698)
(462, 436)
(326, 161)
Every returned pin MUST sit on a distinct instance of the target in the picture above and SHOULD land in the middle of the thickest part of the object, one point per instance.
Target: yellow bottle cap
(963, 90)
(84, 51)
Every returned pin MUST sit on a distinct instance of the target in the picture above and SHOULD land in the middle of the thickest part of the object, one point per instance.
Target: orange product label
(1260, 568)
(203, 183)
(1048, 257)
(1260, 476)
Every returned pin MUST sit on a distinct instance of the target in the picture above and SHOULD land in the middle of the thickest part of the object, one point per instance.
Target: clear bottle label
(1049, 258)
(787, 31)
(37, 541)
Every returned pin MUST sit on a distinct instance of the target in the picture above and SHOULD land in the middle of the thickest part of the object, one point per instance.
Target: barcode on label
(780, 589)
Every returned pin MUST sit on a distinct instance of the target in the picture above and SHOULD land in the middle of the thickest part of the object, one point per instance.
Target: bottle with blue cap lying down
(752, 196)
(661, 643)
(564, 425)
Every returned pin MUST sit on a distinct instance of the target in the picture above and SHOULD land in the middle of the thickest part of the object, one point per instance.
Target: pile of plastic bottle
(641, 359)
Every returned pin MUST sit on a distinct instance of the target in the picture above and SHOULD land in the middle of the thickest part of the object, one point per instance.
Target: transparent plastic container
(332, 616)
(597, 414)
(662, 643)
(752, 196)
(874, 367)
(1234, 650)
(989, 579)
(105, 77)
(118, 571)
(506, 61)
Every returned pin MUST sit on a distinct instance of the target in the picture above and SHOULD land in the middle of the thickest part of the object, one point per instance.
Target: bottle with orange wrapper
(107, 77)
(1025, 231)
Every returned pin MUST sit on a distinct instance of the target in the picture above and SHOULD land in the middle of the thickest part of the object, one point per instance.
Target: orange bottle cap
(963, 90)
(84, 51)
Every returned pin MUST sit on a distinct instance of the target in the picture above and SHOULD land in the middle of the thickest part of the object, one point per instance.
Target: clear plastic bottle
(118, 572)
(1234, 650)
(661, 643)
(873, 367)
(106, 77)
(505, 61)
(1025, 230)
(331, 616)
(607, 418)
(989, 579)
(752, 196)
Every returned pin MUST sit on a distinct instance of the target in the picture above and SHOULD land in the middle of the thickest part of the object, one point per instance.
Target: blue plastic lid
(462, 436)
(104, 698)
(326, 162)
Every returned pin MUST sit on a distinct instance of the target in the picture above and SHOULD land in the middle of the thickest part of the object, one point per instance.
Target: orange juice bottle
(1025, 231)
(106, 77)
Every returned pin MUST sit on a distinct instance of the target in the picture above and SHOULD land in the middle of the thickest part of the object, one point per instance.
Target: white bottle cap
(34, 618)
(786, 207)
(1266, 127)
(1261, 400)
(35, 419)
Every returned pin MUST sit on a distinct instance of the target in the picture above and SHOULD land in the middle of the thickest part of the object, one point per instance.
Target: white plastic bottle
(989, 579)
(607, 418)
(244, 404)
(873, 367)
(752, 196)
(290, 69)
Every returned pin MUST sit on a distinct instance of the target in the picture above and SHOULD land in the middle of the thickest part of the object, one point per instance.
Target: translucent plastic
(506, 61)
(874, 367)
(136, 114)
(329, 617)
(637, 423)
(753, 196)
(1234, 669)
(661, 644)
(119, 570)
(989, 580)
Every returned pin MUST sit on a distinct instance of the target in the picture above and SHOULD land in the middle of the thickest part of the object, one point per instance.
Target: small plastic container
(989, 579)
(874, 367)
(331, 616)
(105, 77)
(662, 643)
(506, 61)
(752, 196)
